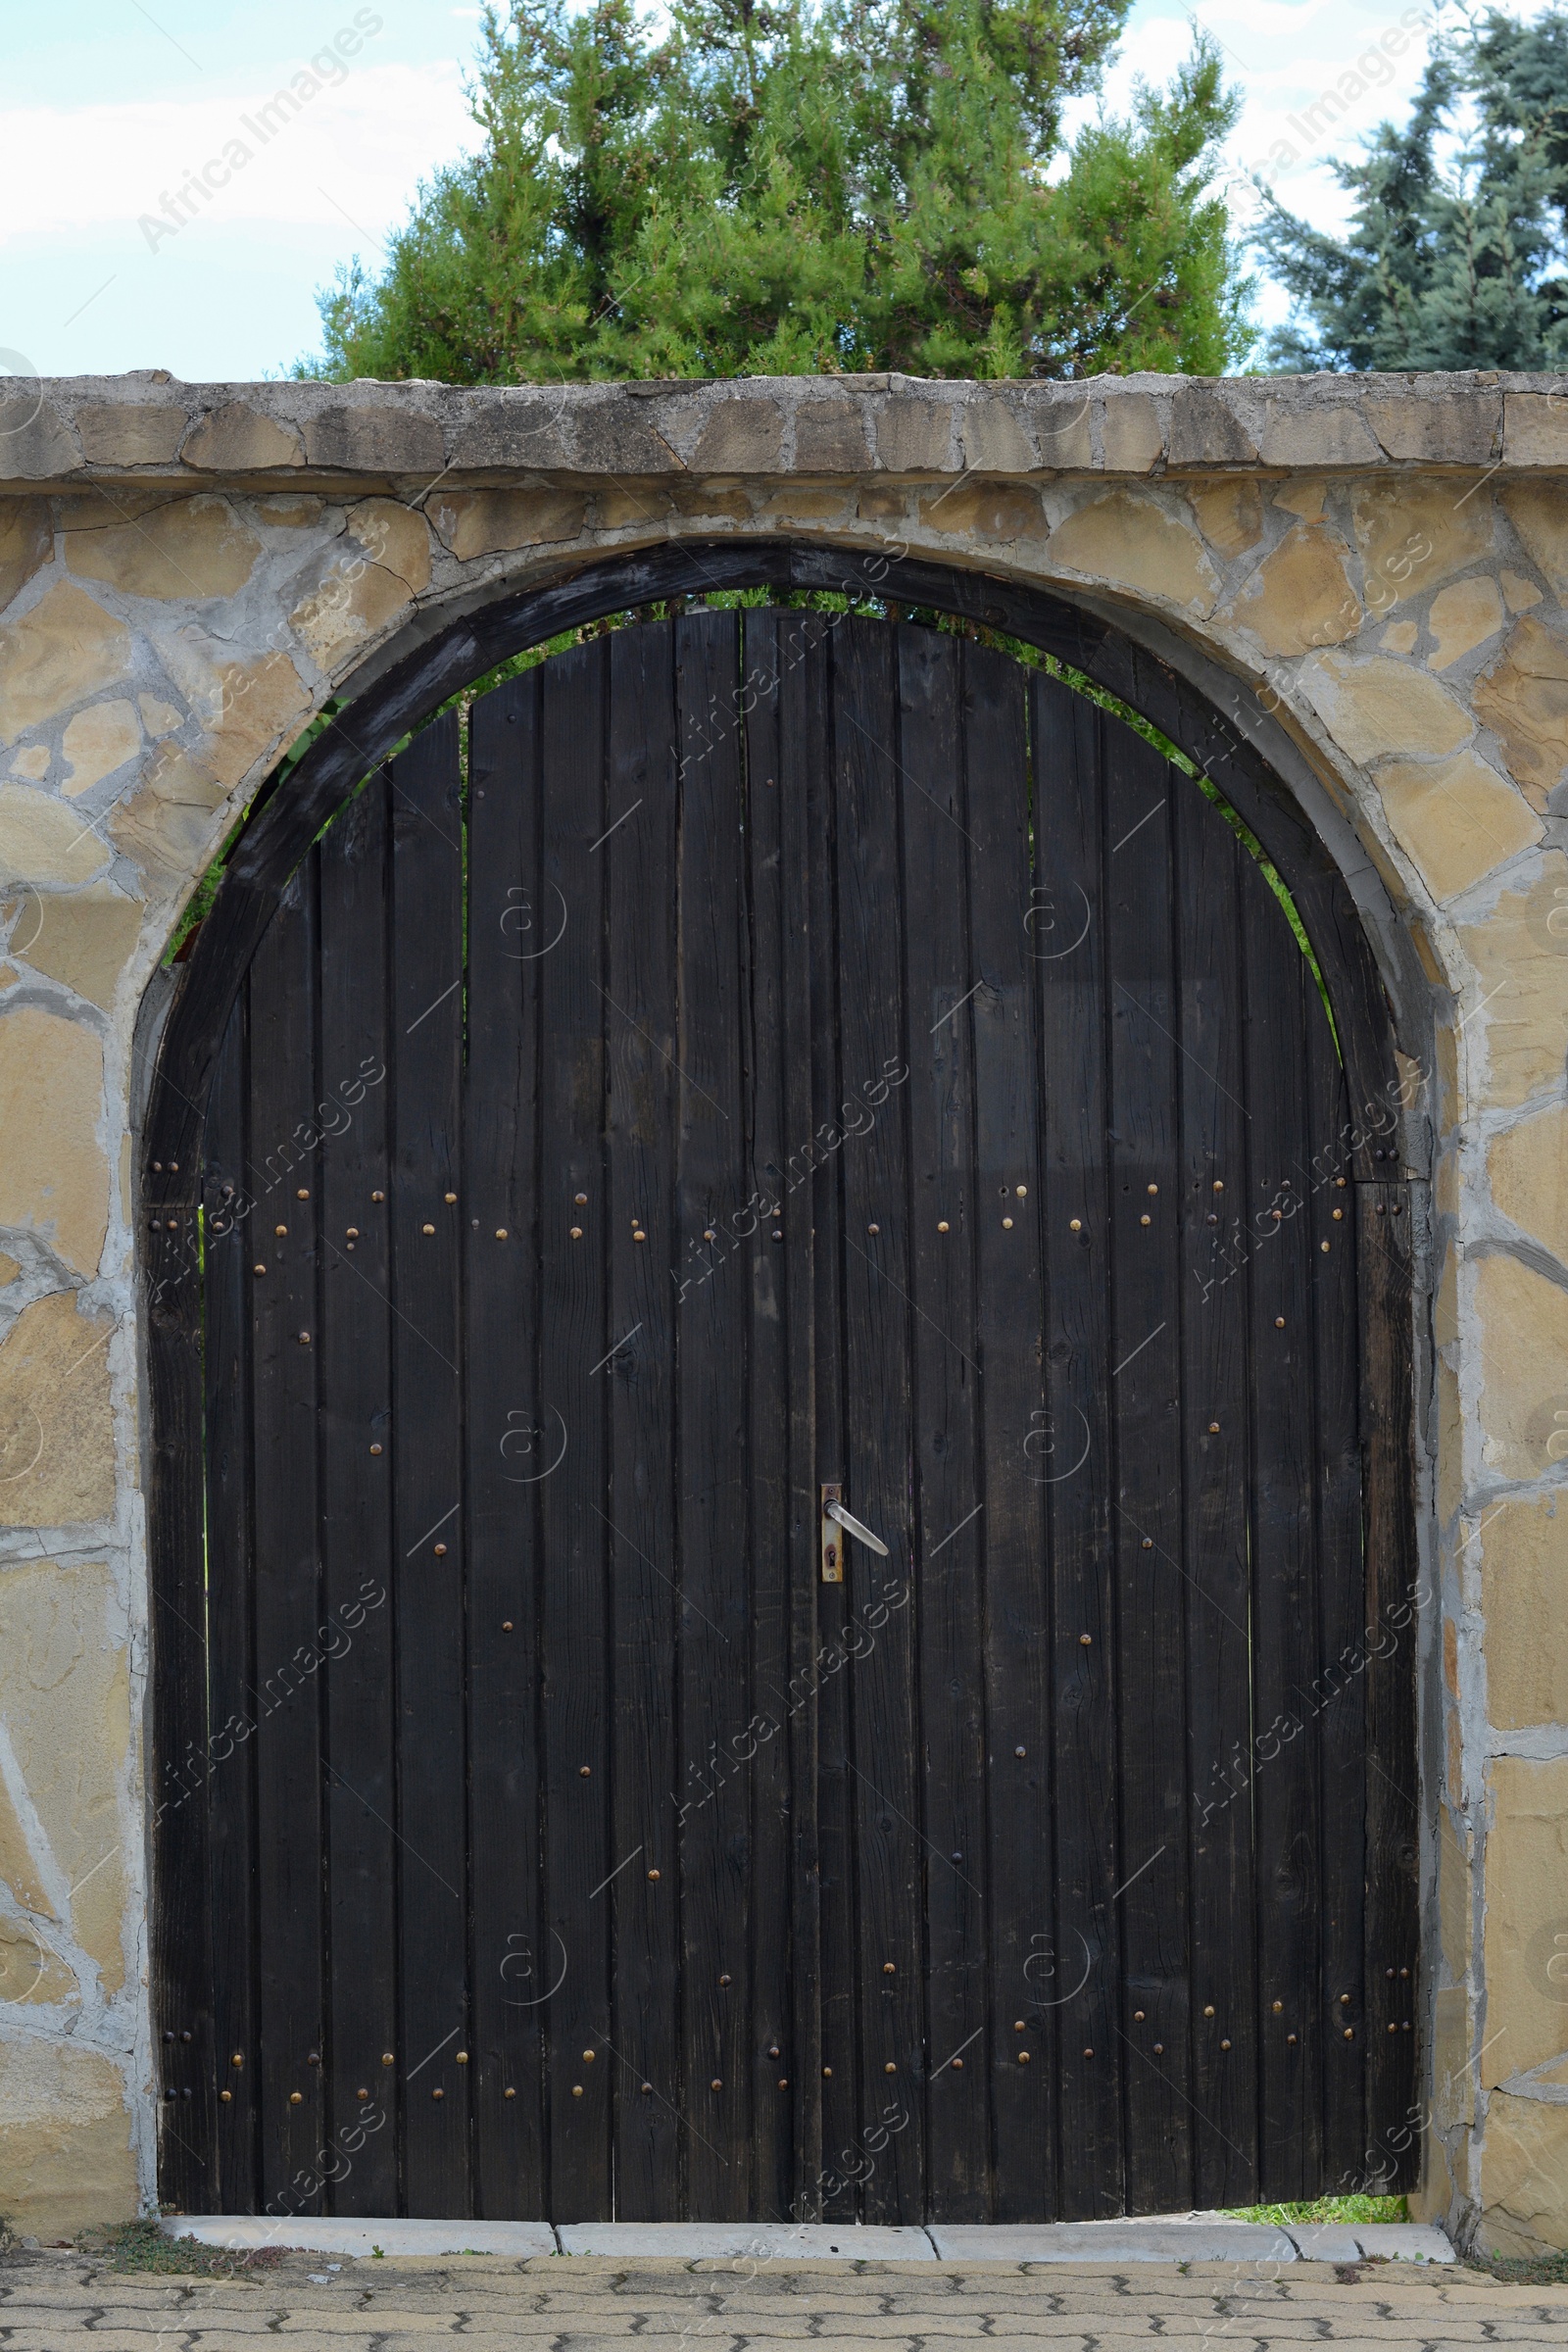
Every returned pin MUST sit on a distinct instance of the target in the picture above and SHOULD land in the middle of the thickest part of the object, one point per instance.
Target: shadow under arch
(291, 812)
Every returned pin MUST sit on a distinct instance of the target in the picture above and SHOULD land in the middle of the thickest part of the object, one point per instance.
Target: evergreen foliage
(1457, 249)
(793, 186)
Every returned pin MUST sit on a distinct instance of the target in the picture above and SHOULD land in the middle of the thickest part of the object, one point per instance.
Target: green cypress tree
(1455, 250)
(789, 187)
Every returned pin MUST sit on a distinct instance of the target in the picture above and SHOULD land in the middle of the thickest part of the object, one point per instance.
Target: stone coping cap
(146, 427)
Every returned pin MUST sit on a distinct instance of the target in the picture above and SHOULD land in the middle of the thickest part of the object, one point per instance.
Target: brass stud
(1023, 2057)
(258, 1269)
(588, 2057)
(1147, 1544)
(890, 1968)
(942, 1225)
(304, 1192)
(1138, 2017)
(1278, 2006)
(1018, 1751)
(296, 2097)
(576, 2090)
(957, 2065)
(1279, 1322)
(450, 1198)
(375, 1449)
(718, 2084)
(723, 1979)
(1085, 1641)
(783, 2083)
(584, 1772)
(773, 2050)
(1224, 2046)
(639, 1237)
(378, 1196)
(440, 1551)
(1337, 1214)
(1213, 1429)
(354, 1233)
(463, 2057)
(509, 2092)
(1323, 1246)
(577, 1233)
(1144, 1220)
(1154, 1188)
(873, 1229)
(709, 1234)
(438, 2094)
(281, 1230)
(500, 1233)
(386, 2058)
(305, 1339)
(1209, 2011)
(1022, 1191)
(652, 1874)
(581, 1199)
(1159, 2049)
(1018, 2026)
(1088, 2053)
(1219, 1184)
(427, 1229)
(890, 2068)
(362, 2094)
(1290, 2038)
(1345, 2000)
(1007, 1224)
(505, 1625)
(1075, 1225)
(1350, 2033)
(238, 2058)
(647, 2088)
(226, 2096)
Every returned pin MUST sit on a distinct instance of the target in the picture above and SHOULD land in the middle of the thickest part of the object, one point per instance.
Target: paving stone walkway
(70, 2303)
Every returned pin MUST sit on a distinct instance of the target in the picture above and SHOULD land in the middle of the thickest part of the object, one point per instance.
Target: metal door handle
(853, 1527)
(835, 1515)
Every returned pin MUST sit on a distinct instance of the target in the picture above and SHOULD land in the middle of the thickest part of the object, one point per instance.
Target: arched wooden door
(781, 1057)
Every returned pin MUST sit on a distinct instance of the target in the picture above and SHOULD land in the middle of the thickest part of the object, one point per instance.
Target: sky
(111, 104)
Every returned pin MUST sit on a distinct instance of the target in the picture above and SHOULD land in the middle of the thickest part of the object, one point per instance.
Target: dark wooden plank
(646, 1229)
(1018, 1459)
(1285, 1791)
(1216, 1537)
(808, 774)
(356, 1415)
(576, 1370)
(1146, 1402)
(1066, 924)
(226, 1280)
(1333, 1702)
(429, 1538)
(782, 2065)
(515, 1441)
(285, 1344)
(715, 1625)
(1384, 1248)
(879, 1436)
(948, 1204)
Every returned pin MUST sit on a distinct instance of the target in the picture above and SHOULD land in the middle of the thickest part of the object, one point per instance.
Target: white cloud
(356, 149)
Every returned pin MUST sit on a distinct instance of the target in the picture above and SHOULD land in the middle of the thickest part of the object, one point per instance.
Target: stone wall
(1372, 571)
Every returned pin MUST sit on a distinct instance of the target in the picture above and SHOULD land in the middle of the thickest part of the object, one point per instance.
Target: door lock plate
(832, 1537)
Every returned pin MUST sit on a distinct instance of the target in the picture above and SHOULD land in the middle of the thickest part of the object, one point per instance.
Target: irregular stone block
(1524, 1538)
(1528, 1167)
(1527, 1912)
(396, 537)
(1523, 700)
(992, 439)
(1446, 429)
(57, 1437)
(42, 840)
(1535, 429)
(355, 601)
(64, 1700)
(987, 510)
(1373, 706)
(53, 1176)
(1462, 617)
(740, 435)
(511, 429)
(1524, 2163)
(829, 435)
(1299, 596)
(1138, 545)
(1059, 419)
(1324, 433)
(1519, 957)
(1455, 820)
(915, 436)
(130, 432)
(96, 741)
(1229, 513)
(1524, 1391)
(487, 522)
(34, 444)
(83, 939)
(1414, 535)
(238, 439)
(25, 543)
(616, 435)
(29, 1972)
(187, 547)
(1130, 433)
(1539, 512)
(1205, 430)
(384, 438)
(65, 2160)
(57, 654)
(165, 826)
